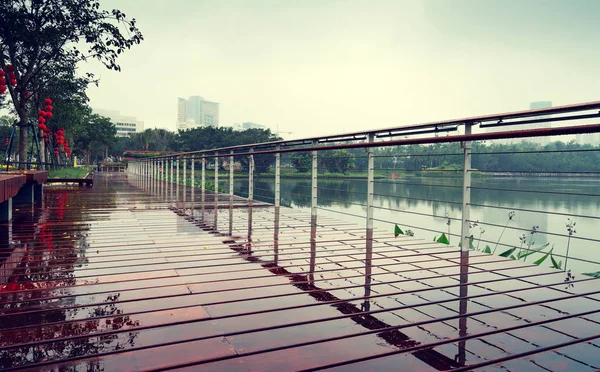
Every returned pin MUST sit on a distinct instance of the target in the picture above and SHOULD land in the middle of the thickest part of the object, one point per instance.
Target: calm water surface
(430, 206)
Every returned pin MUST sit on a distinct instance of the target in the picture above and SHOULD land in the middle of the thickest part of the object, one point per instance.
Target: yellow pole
(74, 161)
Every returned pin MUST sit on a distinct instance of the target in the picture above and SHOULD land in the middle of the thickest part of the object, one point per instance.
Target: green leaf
(556, 265)
(508, 253)
(532, 251)
(471, 245)
(595, 275)
(398, 231)
(487, 249)
(512, 257)
(435, 238)
(543, 258)
(443, 239)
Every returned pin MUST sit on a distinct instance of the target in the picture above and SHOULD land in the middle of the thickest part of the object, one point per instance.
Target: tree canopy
(42, 42)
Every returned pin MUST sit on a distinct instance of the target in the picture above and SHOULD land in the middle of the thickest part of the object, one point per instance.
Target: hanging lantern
(48, 108)
(42, 126)
(9, 67)
(48, 115)
(41, 120)
(2, 81)
(48, 101)
(2, 73)
(41, 113)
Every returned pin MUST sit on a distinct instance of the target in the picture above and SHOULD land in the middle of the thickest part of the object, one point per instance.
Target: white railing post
(251, 176)
(466, 191)
(277, 177)
(231, 160)
(193, 187)
(216, 193)
(202, 186)
(314, 191)
(177, 183)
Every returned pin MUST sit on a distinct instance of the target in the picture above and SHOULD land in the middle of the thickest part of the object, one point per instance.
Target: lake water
(430, 206)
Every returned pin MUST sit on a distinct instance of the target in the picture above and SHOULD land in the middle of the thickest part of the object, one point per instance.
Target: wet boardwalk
(116, 278)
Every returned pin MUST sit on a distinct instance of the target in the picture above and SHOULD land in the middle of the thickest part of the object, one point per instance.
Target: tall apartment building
(125, 125)
(196, 112)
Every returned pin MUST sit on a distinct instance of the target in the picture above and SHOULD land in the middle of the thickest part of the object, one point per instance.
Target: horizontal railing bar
(526, 133)
(534, 191)
(421, 199)
(533, 211)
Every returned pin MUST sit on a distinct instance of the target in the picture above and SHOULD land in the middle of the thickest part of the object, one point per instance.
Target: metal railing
(461, 181)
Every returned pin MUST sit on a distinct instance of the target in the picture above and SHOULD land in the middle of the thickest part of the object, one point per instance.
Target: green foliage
(543, 258)
(46, 40)
(397, 231)
(508, 253)
(302, 161)
(443, 239)
(79, 172)
(595, 275)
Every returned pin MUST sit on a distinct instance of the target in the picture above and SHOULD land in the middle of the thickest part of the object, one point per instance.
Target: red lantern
(2, 81)
(13, 82)
(48, 101)
(48, 108)
(55, 152)
(2, 89)
(2, 73)
(41, 113)
(41, 120)
(42, 127)
(11, 75)
(48, 115)
(9, 67)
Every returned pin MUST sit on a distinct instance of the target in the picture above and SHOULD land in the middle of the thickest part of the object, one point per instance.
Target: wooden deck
(115, 278)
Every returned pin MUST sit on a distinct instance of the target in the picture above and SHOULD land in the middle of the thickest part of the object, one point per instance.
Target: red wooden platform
(113, 279)
(35, 176)
(10, 184)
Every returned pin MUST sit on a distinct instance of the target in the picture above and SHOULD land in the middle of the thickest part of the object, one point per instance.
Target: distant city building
(538, 140)
(196, 112)
(536, 106)
(125, 125)
(249, 125)
(588, 139)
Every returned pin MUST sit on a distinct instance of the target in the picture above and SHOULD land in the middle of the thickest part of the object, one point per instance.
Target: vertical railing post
(171, 160)
(177, 183)
(231, 160)
(184, 185)
(202, 186)
(251, 176)
(193, 196)
(216, 192)
(313, 203)
(277, 177)
(466, 191)
(370, 184)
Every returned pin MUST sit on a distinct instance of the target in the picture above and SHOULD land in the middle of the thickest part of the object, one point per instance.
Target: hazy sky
(321, 67)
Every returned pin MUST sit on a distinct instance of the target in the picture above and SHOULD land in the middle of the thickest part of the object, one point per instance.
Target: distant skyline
(316, 67)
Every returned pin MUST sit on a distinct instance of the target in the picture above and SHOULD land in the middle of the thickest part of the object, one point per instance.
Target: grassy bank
(79, 172)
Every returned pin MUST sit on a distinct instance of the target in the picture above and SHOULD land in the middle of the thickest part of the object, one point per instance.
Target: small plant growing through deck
(571, 231)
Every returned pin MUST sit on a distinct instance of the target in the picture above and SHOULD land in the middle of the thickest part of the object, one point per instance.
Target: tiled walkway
(116, 278)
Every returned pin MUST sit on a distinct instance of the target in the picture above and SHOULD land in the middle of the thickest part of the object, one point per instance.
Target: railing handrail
(525, 133)
(361, 135)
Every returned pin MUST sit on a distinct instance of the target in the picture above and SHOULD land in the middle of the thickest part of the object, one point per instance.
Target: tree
(39, 38)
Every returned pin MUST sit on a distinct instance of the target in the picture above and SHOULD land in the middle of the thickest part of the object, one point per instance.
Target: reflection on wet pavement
(139, 274)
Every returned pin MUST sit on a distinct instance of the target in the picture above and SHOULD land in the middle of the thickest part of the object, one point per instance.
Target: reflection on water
(53, 239)
(425, 204)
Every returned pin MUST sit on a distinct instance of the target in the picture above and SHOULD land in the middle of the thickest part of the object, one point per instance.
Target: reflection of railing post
(193, 187)
(313, 203)
(251, 176)
(466, 190)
